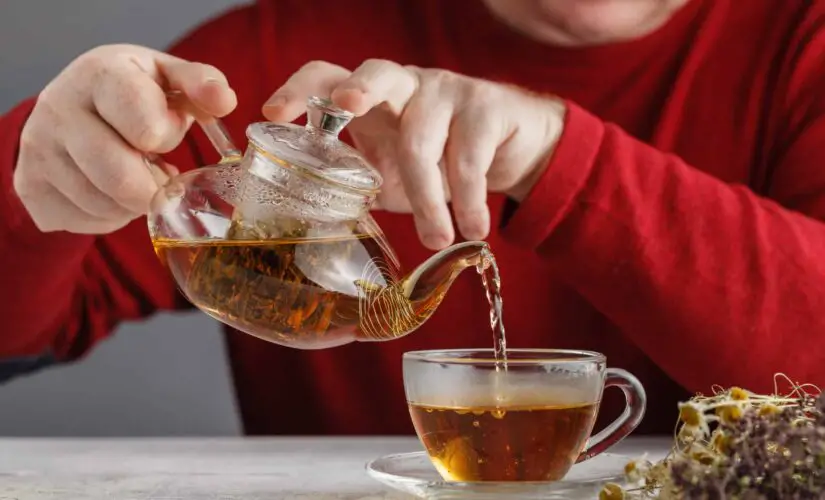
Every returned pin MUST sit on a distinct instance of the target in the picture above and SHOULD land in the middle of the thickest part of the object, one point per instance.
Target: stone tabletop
(209, 469)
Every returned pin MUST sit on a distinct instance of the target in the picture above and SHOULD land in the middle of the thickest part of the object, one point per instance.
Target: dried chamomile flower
(769, 409)
(691, 414)
(720, 441)
(687, 435)
(612, 491)
(635, 470)
(729, 414)
(694, 419)
(738, 394)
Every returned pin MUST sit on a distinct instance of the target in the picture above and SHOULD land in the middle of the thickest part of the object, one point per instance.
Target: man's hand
(81, 164)
(436, 137)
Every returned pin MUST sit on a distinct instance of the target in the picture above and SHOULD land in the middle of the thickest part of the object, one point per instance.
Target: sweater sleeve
(60, 293)
(716, 284)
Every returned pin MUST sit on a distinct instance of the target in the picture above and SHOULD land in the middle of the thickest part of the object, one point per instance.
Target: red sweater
(677, 229)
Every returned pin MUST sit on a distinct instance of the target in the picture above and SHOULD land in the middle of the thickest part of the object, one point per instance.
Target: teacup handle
(634, 411)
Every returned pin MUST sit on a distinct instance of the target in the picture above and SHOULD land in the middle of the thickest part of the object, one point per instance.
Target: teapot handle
(211, 126)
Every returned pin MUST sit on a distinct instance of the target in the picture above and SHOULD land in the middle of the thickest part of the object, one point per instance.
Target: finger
(53, 211)
(383, 155)
(110, 164)
(204, 86)
(375, 82)
(424, 127)
(317, 78)
(160, 169)
(392, 198)
(135, 105)
(470, 151)
(72, 183)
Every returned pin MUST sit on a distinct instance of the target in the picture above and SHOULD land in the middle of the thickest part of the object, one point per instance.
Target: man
(647, 173)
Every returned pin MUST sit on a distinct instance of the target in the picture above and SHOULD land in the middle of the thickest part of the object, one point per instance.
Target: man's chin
(602, 21)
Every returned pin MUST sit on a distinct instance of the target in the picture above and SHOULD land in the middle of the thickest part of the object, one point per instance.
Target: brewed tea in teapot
(279, 242)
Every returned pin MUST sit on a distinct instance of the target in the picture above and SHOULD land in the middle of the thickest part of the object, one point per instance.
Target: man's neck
(583, 23)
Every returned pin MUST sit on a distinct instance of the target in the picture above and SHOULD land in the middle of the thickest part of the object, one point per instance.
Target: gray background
(165, 376)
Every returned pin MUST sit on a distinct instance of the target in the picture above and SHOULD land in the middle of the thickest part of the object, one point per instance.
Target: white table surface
(209, 469)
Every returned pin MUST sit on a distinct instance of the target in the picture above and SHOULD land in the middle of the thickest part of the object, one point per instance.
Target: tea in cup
(527, 420)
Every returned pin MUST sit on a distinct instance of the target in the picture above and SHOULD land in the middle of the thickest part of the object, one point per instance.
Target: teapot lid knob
(323, 115)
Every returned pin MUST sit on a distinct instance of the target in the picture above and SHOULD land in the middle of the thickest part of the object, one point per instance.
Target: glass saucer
(414, 473)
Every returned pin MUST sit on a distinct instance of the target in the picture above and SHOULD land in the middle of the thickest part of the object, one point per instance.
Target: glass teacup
(530, 420)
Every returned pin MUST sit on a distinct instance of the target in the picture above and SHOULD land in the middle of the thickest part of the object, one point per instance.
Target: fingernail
(474, 234)
(216, 81)
(350, 98)
(350, 87)
(275, 101)
(435, 241)
(474, 231)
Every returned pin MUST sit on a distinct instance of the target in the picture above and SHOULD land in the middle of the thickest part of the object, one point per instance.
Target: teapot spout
(398, 310)
(432, 279)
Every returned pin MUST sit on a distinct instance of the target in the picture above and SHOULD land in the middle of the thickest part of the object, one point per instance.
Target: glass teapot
(278, 242)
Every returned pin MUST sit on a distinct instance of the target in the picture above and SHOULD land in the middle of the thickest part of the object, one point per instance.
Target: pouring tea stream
(278, 242)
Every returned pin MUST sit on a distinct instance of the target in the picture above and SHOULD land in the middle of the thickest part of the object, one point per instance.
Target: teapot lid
(315, 148)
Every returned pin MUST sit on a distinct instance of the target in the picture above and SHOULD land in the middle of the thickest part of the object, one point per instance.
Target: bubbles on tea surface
(513, 391)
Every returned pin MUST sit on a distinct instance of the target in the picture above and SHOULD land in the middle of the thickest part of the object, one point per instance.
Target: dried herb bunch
(738, 445)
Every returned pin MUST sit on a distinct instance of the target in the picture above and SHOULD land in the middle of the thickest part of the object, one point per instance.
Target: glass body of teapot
(279, 242)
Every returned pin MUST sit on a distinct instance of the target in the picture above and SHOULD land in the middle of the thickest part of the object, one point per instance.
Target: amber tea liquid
(301, 292)
(530, 443)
